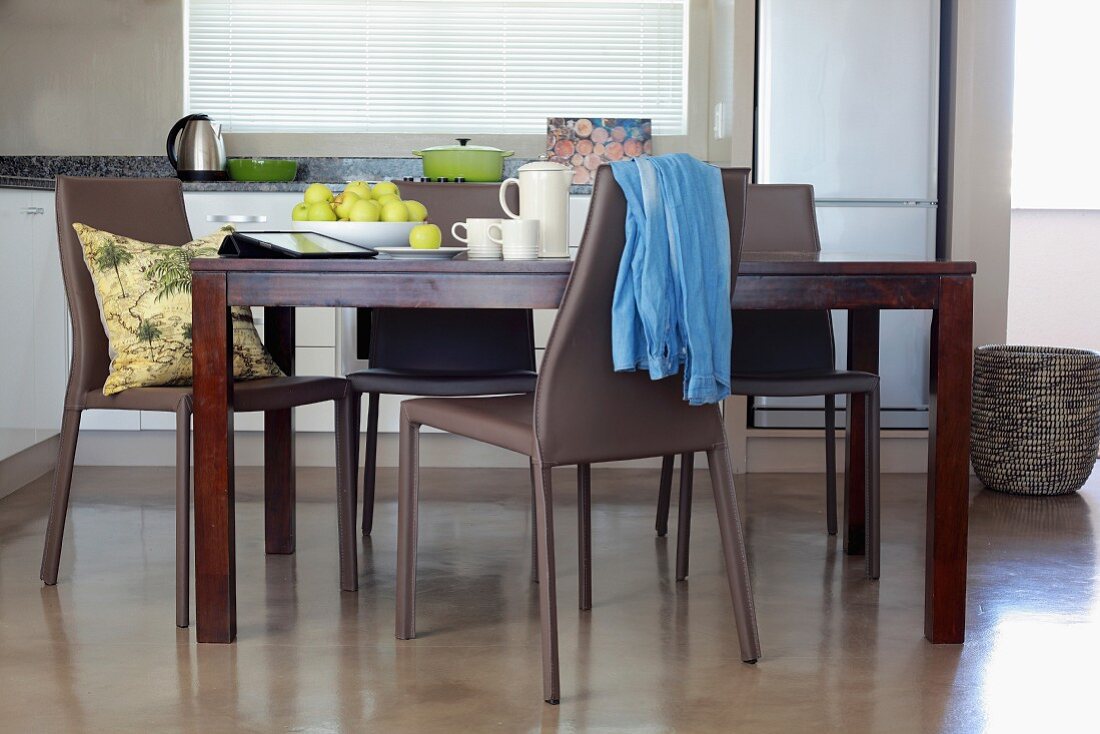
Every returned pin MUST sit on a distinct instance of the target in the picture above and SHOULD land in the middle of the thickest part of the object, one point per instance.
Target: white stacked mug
(518, 238)
(478, 244)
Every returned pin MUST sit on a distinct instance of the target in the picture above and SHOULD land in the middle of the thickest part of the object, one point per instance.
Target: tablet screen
(307, 243)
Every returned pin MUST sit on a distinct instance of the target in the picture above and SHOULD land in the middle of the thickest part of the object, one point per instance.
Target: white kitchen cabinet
(17, 419)
(51, 320)
(33, 335)
(110, 420)
(208, 211)
(319, 361)
(544, 322)
(315, 327)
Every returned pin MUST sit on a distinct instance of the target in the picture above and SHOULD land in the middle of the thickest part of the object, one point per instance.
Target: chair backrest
(453, 341)
(584, 410)
(453, 202)
(150, 210)
(781, 218)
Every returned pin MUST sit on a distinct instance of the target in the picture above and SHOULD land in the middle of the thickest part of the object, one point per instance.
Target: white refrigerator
(847, 100)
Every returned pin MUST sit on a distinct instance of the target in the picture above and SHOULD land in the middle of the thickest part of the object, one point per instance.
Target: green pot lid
(462, 145)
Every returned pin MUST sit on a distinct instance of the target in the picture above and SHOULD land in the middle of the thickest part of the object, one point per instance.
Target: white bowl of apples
(362, 215)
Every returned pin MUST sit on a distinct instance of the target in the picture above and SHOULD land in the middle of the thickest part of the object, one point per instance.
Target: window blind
(435, 66)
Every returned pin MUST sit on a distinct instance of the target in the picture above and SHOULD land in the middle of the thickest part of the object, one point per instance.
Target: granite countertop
(38, 172)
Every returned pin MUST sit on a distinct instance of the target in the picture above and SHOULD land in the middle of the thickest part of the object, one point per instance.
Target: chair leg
(733, 548)
(584, 532)
(534, 535)
(407, 501)
(370, 463)
(548, 602)
(683, 515)
(664, 495)
(183, 511)
(830, 463)
(874, 499)
(347, 436)
(59, 504)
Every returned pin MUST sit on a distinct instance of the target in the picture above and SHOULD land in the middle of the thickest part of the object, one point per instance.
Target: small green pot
(262, 169)
(475, 163)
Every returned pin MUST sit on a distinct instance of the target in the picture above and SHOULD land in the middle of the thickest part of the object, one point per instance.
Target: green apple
(321, 212)
(425, 237)
(395, 211)
(385, 188)
(346, 201)
(388, 199)
(417, 211)
(317, 193)
(365, 210)
(359, 188)
(300, 212)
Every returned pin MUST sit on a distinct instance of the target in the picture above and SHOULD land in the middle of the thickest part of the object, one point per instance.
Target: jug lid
(543, 166)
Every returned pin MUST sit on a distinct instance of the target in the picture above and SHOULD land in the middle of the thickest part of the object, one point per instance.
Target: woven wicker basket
(1036, 421)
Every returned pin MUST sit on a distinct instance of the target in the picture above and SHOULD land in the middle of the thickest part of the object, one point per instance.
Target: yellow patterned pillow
(144, 294)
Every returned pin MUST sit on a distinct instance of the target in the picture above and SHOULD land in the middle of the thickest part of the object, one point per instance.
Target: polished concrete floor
(99, 652)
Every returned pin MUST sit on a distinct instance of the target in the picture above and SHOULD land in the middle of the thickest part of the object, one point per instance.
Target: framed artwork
(585, 143)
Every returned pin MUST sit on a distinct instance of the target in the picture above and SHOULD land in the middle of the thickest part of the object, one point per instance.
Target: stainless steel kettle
(199, 154)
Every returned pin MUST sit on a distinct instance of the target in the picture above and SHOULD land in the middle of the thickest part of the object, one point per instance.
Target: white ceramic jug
(544, 195)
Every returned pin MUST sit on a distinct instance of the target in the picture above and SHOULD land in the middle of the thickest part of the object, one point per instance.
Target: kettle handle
(172, 135)
(504, 197)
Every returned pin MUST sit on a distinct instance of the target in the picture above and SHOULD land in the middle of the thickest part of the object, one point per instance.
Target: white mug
(477, 232)
(518, 238)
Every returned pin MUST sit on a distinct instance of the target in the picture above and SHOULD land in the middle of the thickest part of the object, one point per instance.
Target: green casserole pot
(475, 163)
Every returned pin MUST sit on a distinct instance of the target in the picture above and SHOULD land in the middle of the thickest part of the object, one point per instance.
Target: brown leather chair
(152, 210)
(584, 412)
(443, 352)
(787, 354)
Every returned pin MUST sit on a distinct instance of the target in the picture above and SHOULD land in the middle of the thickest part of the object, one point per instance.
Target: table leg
(279, 470)
(863, 343)
(948, 462)
(215, 554)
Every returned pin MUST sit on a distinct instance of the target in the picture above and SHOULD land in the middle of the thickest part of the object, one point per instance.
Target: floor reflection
(1044, 638)
(99, 652)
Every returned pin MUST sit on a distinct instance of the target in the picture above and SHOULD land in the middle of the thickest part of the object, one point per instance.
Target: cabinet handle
(33, 210)
(236, 218)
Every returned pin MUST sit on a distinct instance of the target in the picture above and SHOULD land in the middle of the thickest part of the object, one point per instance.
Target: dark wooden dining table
(766, 281)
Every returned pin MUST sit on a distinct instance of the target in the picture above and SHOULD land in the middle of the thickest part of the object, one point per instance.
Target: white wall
(982, 153)
(1054, 278)
(89, 77)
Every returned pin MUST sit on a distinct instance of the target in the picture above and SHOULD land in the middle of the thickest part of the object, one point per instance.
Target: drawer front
(208, 211)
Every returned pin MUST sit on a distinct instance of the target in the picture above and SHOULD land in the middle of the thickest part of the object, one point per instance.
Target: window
(1056, 118)
(435, 66)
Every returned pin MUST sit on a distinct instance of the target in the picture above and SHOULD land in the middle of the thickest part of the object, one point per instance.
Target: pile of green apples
(359, 202)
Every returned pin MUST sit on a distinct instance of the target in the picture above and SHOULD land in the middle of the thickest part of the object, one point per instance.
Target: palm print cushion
(144, 294)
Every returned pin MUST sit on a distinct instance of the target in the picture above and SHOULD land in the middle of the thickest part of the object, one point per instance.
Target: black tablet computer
(290, 244)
